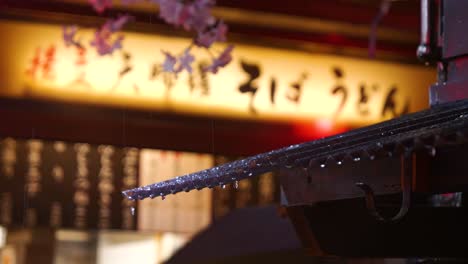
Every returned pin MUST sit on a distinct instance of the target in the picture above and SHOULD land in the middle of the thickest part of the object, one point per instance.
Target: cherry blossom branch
(191, 15)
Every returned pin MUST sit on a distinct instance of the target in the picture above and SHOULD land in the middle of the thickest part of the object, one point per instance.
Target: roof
(441, 125)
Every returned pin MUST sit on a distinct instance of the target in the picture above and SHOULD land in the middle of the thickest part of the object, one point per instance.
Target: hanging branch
(383, 11)
(191, 15)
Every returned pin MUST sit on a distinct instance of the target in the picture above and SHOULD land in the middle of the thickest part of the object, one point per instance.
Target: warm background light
(137, 90)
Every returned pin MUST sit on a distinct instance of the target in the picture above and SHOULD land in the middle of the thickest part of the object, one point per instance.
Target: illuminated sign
(260, 83)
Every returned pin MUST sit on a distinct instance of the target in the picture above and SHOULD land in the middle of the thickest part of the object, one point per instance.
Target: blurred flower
(106, 46)
(171, 11)
(221, 31)
(192, 15)
(199, 16)
(114, 25)
(186, 60)
(221, 61)
(100, 5)
(69, 35)
(214, 34)
(169, 62)
(104, 39)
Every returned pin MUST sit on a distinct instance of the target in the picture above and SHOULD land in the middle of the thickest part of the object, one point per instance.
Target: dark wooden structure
(420, 155)
(342, 227)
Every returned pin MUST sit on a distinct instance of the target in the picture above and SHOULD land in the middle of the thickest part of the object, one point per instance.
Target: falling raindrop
(132, 210)
(224, 186)
(250, 174)
(432, 151)
(236, 184)
(322, 165)
(357, 159)
(339, 162)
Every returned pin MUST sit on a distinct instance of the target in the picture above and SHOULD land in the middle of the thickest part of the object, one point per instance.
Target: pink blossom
(185, 61)
(192, 15)
(114, 25)
(171, 11)
(223, 59)
(106, 46)
(199, 21)
(221, 31)
(199, 16)
(69, 35)
(100, 5)
(104, 41)
(169, 62)
(217, 33)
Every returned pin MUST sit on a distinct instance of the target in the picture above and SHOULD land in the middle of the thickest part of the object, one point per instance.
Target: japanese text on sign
(260, 83)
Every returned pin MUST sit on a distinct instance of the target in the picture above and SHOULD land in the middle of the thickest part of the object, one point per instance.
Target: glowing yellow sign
(260, 83)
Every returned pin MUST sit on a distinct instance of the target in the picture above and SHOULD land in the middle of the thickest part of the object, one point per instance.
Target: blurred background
(78, 128)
